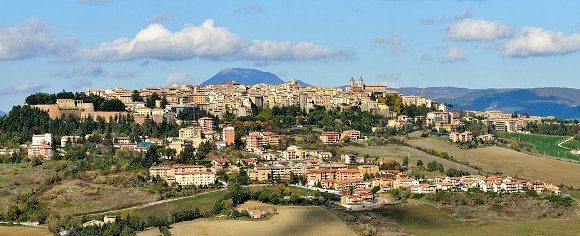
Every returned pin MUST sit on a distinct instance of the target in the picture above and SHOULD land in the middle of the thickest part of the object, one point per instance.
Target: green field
(546, 144)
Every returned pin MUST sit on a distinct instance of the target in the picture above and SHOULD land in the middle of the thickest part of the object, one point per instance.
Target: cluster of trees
(100, 104)
(555, 127)
(126, 224)
(279, 119)
(27, 208)
(24, 121)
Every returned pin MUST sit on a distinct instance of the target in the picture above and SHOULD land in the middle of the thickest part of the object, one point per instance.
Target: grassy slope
(22, 178)
(572, 144)
(74, 197)
(509, 162)
(546, 144)
(398, 152)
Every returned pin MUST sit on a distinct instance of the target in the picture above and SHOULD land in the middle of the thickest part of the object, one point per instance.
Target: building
(462, 137)
(41, 139)
(42, 150)
(368, 169)
(353, 135)
(329, 137)
(186, 175)
(195, 178)
(262, 139)
(206, 123)
(191, 133)
(41, 146)
(260, 174)
(229, 135)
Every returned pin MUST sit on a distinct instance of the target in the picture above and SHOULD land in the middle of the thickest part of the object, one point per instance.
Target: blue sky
(73, 45)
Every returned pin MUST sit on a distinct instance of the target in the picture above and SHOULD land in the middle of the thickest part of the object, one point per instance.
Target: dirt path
(565, 141)
(154, 203)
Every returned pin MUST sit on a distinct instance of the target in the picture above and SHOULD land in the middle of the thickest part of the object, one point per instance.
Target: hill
(243, 76)
(559, 102)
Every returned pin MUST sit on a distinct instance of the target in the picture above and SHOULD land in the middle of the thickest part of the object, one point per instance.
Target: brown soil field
(78, 197)
(289, 220)
(23, 231)
(509, 162)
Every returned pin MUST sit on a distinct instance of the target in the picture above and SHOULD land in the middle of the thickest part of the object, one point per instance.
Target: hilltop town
(184, 139)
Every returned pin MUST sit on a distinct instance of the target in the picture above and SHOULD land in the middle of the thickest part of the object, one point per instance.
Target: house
(422, 188)
(90, 223)
(255, 214)
(485, 138)
(349, 158)
(109, 219)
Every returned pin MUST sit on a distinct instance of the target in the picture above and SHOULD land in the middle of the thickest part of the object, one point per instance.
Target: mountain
(2, 113)
(559, 102)
(302, 83)
(243, 76)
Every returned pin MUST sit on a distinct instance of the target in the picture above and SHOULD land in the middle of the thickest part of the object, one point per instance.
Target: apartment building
(330, 137)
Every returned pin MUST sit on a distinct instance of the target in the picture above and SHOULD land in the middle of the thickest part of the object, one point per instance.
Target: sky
(50, 46)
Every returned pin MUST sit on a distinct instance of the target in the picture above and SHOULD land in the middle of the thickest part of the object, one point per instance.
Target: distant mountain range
(559, 102)
(2, 113)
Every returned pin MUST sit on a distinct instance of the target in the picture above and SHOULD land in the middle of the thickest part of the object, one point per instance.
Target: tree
(204, 149)
(150, 103)
(434, 166)
(112, 105)
(406, 161)
(420, 163)
(136, 97)
(163, 103)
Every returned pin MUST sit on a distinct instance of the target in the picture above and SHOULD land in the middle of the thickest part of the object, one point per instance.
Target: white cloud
(476, 29)
(540, 42)
(395, 43)
(31, 39)
(454, 54)
(23, 88)
(204, 41)
(177, 78)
